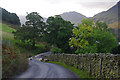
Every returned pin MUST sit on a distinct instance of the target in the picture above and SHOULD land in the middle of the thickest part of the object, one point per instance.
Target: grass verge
(80, 73)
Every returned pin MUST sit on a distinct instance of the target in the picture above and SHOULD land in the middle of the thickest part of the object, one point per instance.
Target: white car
(31, 58)
(40, 59)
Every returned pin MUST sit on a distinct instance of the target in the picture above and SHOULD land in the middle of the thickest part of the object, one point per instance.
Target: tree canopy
(89, 37)
(32, 29)
(58, 32)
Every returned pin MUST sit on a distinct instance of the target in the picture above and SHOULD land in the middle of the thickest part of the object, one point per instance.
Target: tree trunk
(33, 44)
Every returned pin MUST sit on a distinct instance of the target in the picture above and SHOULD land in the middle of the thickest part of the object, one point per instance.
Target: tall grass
(13, 62)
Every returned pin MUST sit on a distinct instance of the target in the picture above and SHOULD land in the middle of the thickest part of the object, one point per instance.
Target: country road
(39, 69)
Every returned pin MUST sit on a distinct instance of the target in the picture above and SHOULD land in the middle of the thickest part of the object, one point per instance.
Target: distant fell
(110, 16)
(73, 17)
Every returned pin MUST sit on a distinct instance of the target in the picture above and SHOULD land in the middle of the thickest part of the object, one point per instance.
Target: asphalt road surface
(43, 54)
(39, 69)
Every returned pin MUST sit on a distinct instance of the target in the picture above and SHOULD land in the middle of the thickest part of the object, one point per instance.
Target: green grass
(7, 29)
(7, 32)
(80, 73)
(8, 37)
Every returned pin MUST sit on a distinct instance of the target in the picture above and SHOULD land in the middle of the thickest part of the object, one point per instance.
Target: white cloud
(48, 8)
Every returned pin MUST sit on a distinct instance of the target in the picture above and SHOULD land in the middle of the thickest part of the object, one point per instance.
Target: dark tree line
(8, 17)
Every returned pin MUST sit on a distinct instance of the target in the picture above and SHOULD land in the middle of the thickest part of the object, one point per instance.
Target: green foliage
(23, 33)
(41, 48)
(101, 25)
(24, 48)
(55, 49)
(90, 39)
(86, 22)
(106, 41)
(116, 50)
(58, 32)
(32, 30)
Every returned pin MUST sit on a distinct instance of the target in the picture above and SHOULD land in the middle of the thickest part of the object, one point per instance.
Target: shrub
(55, 49)
(13, 62)
(116, 50)
(41, 47)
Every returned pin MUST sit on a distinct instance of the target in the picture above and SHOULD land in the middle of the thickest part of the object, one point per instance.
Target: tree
(92, 38)
(58, 32)
(103, 26)
(106, 40)
(32, 29)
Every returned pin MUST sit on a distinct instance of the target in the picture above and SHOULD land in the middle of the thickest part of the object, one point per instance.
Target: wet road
(39, 69)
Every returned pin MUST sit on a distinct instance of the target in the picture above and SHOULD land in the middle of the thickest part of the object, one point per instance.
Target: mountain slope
(8, 17)
(109, 16)
(73, 17)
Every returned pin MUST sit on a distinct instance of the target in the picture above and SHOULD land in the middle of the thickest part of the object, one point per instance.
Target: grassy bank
(13, 61)
(80, 73)
(24, 48)
(15, 52)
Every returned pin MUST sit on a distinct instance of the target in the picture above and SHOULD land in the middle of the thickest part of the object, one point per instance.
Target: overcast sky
(48, 8)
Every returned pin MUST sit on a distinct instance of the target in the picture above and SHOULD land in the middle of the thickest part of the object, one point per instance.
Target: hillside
(73, 17)
(10, 18)
(7, 32)
(12, 56)
(110, 16)
(115, 25)
(5, 28)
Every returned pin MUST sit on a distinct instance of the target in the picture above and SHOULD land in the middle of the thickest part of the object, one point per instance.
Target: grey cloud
(54, 1)
(102, 5)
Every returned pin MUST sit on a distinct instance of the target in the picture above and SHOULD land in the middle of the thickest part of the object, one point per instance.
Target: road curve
(39, 69)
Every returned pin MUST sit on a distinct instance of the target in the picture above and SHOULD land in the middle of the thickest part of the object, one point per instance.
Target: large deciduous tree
(32, 29)
(89, 37)
(58, 32)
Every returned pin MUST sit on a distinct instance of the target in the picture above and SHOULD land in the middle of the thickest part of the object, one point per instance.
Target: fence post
(9, 42)
(101, 59)
(90, 71)
(77, 57)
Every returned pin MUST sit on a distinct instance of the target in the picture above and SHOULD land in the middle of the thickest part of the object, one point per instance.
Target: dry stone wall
(97, 65)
